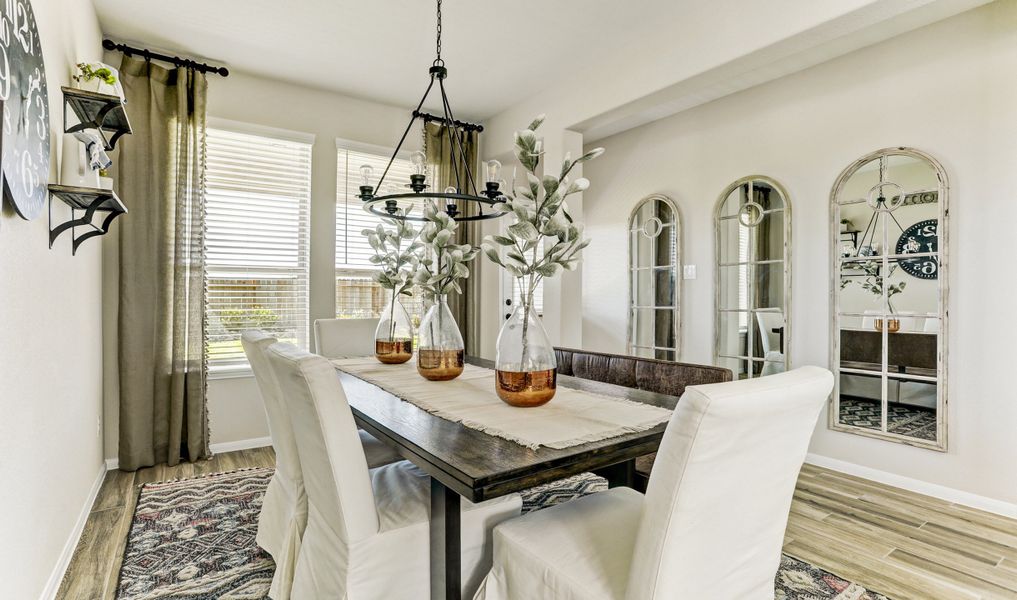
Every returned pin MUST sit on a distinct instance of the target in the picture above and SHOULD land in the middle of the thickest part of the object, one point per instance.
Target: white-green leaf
(524, 231)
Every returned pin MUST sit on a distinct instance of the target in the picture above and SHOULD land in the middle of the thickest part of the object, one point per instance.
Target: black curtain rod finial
(175, 60)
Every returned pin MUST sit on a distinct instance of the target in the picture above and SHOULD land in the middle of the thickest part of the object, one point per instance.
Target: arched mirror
(752, 332)
(654, 279)
(889, 298)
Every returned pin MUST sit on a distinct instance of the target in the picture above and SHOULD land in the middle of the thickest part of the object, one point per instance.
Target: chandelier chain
(438, 37)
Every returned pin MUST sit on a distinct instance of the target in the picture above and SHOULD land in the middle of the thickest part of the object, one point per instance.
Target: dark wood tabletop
(480, 466)
(466, 463)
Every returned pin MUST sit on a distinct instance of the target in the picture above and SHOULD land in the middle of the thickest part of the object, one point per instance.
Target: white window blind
(257, 202)
(356, 294)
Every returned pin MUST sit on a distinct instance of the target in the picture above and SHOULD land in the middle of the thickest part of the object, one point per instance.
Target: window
(356, 293)
(257, 203)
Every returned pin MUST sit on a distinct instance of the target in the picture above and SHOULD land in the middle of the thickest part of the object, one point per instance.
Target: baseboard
(918, 486)
(113, 463)
(53, 585)
(241, 445)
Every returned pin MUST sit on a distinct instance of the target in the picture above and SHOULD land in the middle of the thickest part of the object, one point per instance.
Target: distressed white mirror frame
(672, 228)
(837, 260)
(752, 216)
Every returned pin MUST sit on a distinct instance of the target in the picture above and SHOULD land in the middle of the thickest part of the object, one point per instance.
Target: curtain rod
(429, 117)
(176, 60)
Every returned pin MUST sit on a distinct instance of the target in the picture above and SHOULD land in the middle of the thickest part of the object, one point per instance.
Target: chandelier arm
(457, 133)
(451, 139)
(409, 126)
(872, 225)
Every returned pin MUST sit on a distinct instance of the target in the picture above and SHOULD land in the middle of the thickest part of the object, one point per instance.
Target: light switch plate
(689, 272)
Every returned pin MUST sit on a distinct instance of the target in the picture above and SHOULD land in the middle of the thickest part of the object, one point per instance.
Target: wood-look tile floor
(904, 545)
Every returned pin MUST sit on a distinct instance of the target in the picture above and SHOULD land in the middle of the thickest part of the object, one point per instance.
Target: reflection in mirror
(753, 234)
(889, 218)
(654, 284)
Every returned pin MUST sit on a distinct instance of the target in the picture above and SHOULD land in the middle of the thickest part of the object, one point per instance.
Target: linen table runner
(572, 418)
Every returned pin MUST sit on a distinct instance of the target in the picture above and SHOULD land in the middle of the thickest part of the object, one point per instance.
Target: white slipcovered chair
(773, 352)
(284, 509)
(338, 338)
(712, 522)
(367, 531)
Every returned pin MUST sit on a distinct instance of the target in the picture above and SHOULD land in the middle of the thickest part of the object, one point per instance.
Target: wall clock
(24, 166)
(922, 237)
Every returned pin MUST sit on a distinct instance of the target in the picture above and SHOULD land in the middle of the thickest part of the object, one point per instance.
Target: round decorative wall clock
(25, 131)
(922, 237)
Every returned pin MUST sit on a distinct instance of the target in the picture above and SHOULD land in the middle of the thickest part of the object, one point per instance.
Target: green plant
(86, 72)
(394, 261)
(236, 320)
(873, 281)
(541, 220)
(440, 263)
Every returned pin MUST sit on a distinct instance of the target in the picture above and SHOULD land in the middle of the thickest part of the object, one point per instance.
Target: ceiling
(498, 52)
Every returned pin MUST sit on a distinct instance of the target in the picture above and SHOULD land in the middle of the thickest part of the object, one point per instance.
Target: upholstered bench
(660, 376)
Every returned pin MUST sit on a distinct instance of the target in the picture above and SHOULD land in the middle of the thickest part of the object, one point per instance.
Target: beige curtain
(160, 328)
(440, 153)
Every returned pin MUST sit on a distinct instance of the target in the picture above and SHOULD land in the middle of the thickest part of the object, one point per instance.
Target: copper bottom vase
(528, 388)
(892, 325)
(393, 352)
(440, 365)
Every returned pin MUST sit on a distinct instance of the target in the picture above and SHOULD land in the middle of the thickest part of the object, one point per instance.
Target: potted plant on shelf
(98, 77)
(394, 249)
(438, 266)
(541, 242)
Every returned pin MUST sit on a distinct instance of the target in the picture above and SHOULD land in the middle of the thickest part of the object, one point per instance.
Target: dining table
(463, 462)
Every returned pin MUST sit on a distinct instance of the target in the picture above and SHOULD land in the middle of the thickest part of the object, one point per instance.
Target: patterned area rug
(912, 421)
(193, 539)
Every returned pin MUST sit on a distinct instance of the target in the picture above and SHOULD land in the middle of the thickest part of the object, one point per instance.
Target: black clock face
(25, 133)
(922, 237)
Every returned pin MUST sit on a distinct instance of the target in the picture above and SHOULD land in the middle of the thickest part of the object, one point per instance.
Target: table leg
(622, 474)
(446, 543)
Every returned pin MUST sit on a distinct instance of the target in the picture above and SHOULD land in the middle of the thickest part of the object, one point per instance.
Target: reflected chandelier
(397, 205)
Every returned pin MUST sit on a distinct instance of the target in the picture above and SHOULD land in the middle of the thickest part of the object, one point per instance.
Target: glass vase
(440, 348)
(526, 370)
(393, 339)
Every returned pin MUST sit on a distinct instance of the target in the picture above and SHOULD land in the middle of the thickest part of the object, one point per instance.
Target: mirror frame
(788, 214)
(677, 320)
(943, 235)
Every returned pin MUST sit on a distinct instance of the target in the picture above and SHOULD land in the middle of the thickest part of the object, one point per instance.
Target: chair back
(287, 462)
(338, 338)
(718, 499)
(770, 339)
(335, 469)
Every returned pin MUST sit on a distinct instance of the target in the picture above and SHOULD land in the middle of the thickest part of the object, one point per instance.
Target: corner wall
(50, 352)
(946, 89)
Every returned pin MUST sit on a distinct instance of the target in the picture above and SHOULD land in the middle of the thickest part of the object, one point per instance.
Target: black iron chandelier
(397, 205)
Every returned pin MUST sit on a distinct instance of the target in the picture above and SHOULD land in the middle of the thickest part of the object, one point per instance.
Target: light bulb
(366, 171)
(493, 170)
(419, 161)
(451, 190)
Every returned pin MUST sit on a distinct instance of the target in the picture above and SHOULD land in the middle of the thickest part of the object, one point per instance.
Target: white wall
(947, 89)
(50, 338)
